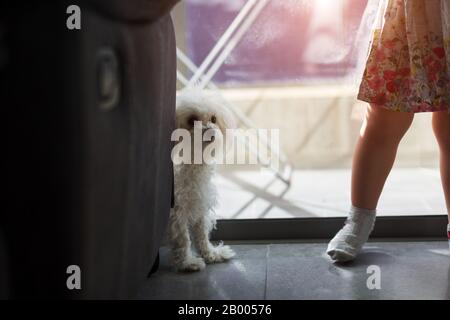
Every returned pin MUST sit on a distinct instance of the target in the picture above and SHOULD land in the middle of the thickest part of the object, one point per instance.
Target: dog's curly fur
(195, 194)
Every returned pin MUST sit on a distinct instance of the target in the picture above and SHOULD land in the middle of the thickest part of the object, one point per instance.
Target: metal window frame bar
(233, 42)
(245, 10)
(432, 227)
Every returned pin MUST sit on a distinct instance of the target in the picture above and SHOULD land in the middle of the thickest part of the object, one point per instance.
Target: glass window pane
(293, 70)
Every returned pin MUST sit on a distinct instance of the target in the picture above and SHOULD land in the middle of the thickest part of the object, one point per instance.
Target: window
(292, 41)
(293, 70)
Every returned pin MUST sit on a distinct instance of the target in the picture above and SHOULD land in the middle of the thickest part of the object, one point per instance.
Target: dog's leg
(211, 254)
(183, 258)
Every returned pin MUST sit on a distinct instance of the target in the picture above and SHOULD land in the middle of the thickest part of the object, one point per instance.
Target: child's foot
(350, 239)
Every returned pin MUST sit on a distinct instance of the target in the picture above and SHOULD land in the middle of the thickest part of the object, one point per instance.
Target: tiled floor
(408, 270)
(324, 193)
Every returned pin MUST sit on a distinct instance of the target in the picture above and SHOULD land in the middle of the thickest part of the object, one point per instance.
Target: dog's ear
(226, 119)
(224, 115)
(187, 108)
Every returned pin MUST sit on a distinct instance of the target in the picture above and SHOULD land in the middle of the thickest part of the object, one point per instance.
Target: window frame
(428, 227)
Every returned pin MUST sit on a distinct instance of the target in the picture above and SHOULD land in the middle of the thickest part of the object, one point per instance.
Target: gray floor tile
(408, 271)
(241, 278)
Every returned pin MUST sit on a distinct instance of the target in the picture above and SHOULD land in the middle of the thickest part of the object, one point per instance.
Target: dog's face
(206, 108)
(206, 116)
(203, 110)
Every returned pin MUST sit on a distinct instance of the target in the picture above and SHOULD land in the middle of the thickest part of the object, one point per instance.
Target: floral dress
(408, 68)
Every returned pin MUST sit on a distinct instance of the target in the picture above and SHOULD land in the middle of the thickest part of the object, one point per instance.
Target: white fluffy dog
(195, 194)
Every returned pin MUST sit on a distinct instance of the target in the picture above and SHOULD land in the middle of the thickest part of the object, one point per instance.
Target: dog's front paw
(191, 265)
(219, 254)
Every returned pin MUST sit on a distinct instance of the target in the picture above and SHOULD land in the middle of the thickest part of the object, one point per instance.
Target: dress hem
(387, 106)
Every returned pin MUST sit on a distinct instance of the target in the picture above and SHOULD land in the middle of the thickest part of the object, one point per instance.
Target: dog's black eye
(213, 119)
(192, 119)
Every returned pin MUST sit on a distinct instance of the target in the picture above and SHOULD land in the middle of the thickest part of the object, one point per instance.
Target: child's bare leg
(374, 157)
(441, 127)
(375, 153)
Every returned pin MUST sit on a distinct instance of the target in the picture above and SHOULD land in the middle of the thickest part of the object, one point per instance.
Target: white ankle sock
(350, 239)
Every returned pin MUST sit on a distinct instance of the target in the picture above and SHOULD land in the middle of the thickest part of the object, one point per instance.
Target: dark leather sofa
(89, 115)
